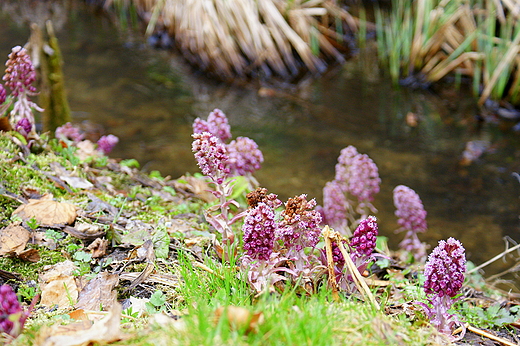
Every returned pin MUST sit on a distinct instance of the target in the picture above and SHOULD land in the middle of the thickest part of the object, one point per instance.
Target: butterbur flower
(363, 241)
(244, 156)
(3, 95)
(259, 232)
(412, 218)
(444, 273)
(69, 132)
(364, 178)
(19, 72)
(335, 206)
(217, 124)
(211, 156)
(23, 127)
(107, 143)
(299, 227)
(19, 76)
(409, 209)
(345, 160)
(12, 316)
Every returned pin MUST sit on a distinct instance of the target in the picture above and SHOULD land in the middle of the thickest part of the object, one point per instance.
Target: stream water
(149, 98)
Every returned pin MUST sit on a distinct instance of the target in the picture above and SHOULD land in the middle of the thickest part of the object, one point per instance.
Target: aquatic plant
(412, 219)
(19, 77)
(444, 273)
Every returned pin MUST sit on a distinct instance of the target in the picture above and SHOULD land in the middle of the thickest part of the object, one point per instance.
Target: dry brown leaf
(240, 318)
(30, 255)
(198, 187)
(99, 292)
(47, 212)
(79, 314)
(104, 331)
(13, 239)
(58, 285)
(98, 248)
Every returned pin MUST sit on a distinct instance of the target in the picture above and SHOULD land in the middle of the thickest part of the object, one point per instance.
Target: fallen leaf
(87, 149)
(30, 255)
(79, 314)
(98, 248)
(240, 318)
(85, 231)
(99, 293)
(104, 331)
(47, 212)
(198, 187)
(77, 182)
(13, 239)
(58, 285)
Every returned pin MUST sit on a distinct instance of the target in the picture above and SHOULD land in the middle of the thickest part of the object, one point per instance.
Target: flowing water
(149, 98)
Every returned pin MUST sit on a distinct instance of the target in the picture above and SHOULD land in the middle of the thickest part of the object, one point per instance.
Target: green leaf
(161, 242)
(158, 299)
(130, 163)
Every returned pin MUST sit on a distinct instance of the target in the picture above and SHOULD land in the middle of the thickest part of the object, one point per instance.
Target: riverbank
(144, 238)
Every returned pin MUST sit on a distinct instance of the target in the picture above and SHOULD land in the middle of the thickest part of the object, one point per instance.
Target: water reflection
(150, 98)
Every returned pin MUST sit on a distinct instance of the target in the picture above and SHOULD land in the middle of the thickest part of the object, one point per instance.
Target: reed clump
(431, 39)
(261, 38)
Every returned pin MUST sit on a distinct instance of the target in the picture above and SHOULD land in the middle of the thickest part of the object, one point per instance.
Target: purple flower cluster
(107, 143)
(363, 242)
(20, 74)
(409, 209)
(217, 124)
(299, 227)
(358, 174)
(24, 127)
(244, 156)
(69, 132)
(412, 218)
(10, 306)
(3, 95)
(211, 156)
(261, 195)
(444, 273)
(335, 206)
(259, 232)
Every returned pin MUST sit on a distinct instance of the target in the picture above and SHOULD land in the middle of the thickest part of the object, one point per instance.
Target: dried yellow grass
(232, 38)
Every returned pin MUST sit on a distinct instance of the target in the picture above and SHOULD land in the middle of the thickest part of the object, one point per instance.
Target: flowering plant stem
(330, 236)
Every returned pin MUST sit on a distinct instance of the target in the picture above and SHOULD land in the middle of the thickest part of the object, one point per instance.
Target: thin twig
(497, 257)
(490, 336)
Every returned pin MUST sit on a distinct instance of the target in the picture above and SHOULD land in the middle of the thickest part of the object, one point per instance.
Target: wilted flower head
(107, 143)
(335, 206)
(217, 124)
(409, 209)
(260, 195)
(363, 241)
(19, 72)
(259, 232)
(211, 156)
(299, 227)
(69, 131)
(244, 156)
(10, 312)
(445, 268)
(24, 127)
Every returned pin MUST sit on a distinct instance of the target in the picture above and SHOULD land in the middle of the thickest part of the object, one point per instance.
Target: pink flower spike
(409, 209)
(107, 143)
(244, 156)
(211, 155)
(259, 232)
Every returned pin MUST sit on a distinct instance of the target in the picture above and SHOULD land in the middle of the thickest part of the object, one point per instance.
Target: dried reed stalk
(234, 37)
